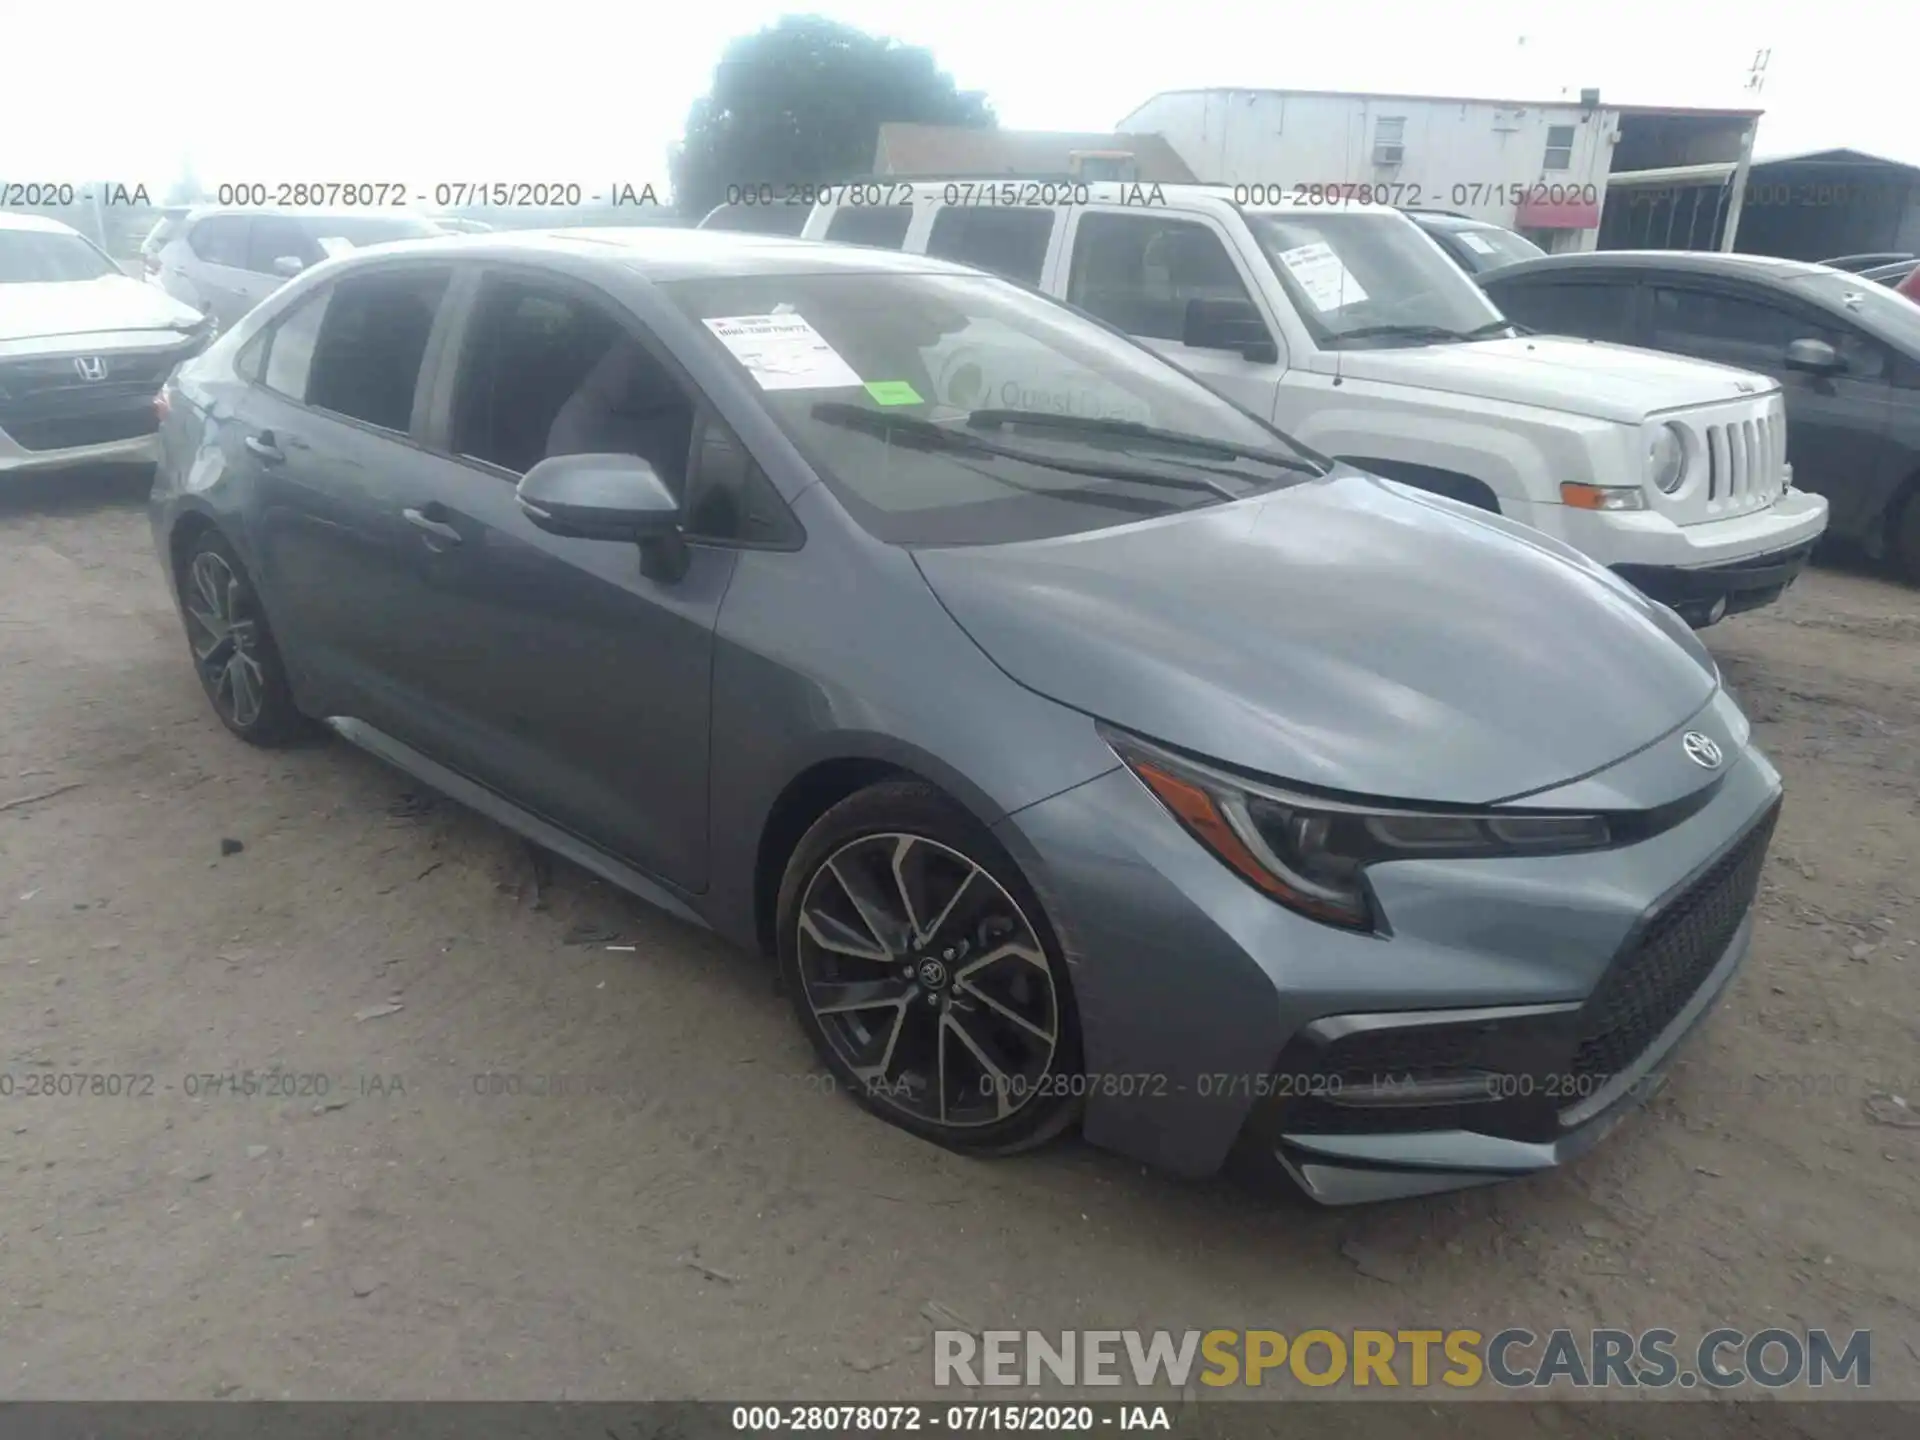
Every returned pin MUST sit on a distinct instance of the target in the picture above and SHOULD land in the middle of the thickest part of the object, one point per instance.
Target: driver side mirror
(289, 265)
(1815, 356)
(1229, 325)
(607, 497)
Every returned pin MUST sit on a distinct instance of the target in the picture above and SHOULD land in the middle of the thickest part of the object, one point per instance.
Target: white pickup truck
(1348, 328)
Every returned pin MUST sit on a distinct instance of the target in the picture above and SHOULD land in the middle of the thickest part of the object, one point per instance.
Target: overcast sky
(596, 90)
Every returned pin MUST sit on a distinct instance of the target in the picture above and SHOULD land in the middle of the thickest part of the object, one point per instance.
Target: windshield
(1487, 247)
(360, 230)
(906, 392)
(36, 257)
(1347, 273)
(1887, 313)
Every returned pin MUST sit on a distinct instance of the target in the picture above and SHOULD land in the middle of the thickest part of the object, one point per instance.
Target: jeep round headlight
(1667, 458)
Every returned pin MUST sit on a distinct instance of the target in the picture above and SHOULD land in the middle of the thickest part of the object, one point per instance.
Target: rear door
(1837, 425)
(1137, 269)
(328, 435)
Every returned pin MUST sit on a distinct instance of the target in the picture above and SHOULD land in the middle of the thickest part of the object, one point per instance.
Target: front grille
(1744, 458)
(1651, 983)
(49, 404)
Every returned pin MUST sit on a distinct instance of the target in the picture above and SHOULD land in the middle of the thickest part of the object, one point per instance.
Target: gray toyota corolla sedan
(1087, 752)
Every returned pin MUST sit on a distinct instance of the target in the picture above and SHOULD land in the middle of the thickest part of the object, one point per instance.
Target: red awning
(1558, 215)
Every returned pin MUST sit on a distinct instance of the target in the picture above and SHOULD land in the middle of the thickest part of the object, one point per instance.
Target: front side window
(1012, 243)
(1370, 278)
(881, 226)
(40, 257)
(951, 409)
(1138, 272)
(1744, 330)
(220, 240)
(273, 237)
(371, 342)
(1587, 309)
(1888, 315)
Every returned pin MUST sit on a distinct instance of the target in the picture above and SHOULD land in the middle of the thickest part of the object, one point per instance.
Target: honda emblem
(91, 367)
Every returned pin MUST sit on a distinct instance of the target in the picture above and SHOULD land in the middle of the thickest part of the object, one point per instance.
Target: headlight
(1311, 852)
(1667, 457)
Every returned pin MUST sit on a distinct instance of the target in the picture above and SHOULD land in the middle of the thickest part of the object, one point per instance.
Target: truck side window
(1139, 271)
(882, 227)
(1012, 243)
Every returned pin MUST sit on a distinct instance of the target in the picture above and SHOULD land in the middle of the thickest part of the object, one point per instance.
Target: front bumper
(1208, 1012)
(1649, 540)
(15, 459)
(1709, 592)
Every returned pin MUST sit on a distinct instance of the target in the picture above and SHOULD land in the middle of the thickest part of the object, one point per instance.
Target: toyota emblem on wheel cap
(1701, 750)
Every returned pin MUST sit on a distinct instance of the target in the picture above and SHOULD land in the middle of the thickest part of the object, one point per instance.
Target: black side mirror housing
(1814, 356)
(607, 497)
(1228, 325)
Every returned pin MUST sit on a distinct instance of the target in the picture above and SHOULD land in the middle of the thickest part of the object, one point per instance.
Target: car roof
(1679, 262)
(11, 220)
(661, 252)
(1447, 220)
(299, 212)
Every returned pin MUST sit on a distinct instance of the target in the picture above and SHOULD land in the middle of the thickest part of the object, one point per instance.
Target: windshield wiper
(926, 435)
(1426, 332)
(1134, 430)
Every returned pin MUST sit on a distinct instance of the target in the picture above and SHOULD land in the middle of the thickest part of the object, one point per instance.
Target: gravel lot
(704, 1221)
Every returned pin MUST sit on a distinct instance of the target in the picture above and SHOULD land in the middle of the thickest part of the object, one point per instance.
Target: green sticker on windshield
(893, 392)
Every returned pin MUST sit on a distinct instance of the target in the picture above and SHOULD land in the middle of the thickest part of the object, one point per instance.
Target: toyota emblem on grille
(1701, 750)
(91, 367)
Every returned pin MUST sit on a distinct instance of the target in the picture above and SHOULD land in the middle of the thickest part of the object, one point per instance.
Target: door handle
(437, 529)
(263, 446)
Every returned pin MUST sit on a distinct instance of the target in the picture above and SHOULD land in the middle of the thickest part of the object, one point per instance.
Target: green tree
(802, 102)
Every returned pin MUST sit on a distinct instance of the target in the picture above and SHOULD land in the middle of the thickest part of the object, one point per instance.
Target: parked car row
(1086, 750)
(1351, 330)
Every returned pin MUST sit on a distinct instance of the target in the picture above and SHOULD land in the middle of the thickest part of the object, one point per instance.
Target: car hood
(113, 303)
(1346, 633)
(1555, 373)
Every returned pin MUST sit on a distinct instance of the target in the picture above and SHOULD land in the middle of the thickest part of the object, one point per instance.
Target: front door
(1137, 268)
(558, 673)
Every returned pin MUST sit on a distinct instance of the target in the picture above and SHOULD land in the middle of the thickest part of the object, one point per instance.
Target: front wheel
(925, 972)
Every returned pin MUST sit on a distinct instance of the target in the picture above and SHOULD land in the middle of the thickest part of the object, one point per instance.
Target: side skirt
(504, 812)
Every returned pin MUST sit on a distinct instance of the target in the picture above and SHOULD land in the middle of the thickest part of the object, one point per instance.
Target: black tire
(232, 648)
(1903, 536)
(1006, 989)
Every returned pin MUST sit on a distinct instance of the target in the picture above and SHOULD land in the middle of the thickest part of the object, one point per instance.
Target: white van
(1349, 328)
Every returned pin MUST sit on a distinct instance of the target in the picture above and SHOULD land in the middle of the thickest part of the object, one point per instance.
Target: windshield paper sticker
(1318, 271)
(1475, 243)
(783, 352)
(332, 245)
(893, 392)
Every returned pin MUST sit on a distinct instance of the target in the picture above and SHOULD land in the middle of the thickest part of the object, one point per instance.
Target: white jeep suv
(1349, 328)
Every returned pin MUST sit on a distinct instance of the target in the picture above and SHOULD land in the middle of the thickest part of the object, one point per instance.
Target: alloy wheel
(225, 636)
(928, 980)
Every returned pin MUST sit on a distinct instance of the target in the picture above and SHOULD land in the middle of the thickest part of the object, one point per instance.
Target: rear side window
(881, 226)
(1012, 243)
(289, 347)
(220, 240)
(367, 346)
(1591, 310)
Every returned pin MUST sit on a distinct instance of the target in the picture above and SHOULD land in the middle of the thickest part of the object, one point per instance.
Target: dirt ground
(701, 1220)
